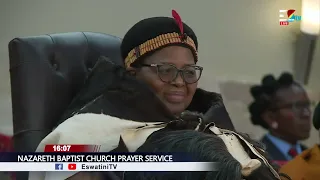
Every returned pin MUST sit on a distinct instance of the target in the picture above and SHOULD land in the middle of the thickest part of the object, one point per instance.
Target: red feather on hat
(177, 17)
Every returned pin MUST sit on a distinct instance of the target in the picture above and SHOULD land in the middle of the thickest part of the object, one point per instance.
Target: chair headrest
(46, 72)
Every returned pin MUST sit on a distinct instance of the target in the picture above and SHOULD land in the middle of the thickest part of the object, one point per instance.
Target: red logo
(284, 23)
(72, 166)
(290, 12)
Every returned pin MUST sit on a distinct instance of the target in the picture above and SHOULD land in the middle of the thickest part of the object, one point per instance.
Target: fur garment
(113, 108)
(133, 134)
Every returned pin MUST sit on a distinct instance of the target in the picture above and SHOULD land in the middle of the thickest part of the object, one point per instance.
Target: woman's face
(176, 95)
(293, 115)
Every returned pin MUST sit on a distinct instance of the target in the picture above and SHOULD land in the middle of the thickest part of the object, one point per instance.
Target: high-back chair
(46, 72)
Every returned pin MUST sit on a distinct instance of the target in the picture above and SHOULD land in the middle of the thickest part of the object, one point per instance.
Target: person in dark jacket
(306, 165)
(282, 107)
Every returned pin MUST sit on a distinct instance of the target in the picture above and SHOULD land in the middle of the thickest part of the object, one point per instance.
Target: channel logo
(284, 21)
(72, 166)
(59, 166)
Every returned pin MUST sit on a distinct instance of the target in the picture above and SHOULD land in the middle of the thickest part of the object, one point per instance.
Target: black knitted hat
(152, 34)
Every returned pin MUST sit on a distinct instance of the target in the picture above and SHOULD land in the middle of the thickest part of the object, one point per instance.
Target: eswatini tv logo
(287, 16)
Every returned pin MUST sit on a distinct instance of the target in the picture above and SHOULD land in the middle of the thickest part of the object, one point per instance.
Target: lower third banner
(119, 166)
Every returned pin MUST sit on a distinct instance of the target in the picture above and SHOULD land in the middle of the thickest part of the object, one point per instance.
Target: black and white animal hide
(119, 113)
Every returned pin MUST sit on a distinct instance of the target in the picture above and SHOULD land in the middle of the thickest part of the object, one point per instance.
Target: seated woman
(283, 108)
(160, 56)
(118, 108)
(306, 165)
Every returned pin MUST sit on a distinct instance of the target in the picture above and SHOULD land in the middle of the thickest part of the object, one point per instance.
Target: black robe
(110, 90)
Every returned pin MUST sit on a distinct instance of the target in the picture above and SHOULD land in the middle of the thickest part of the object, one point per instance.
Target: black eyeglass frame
(296, 107)
(179, 71)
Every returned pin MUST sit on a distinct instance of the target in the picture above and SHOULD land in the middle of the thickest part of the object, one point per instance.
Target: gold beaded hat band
(157, 43)
(155, 33)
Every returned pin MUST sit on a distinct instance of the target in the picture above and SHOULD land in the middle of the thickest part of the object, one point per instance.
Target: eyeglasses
(168, 73)
(297, 107)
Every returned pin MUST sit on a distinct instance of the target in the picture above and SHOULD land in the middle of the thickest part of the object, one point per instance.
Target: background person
(283, 108)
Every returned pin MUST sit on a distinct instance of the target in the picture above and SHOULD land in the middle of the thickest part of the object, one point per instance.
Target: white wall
(239, 39)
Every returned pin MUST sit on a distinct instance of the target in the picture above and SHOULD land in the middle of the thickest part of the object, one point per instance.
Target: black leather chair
(46, 72)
